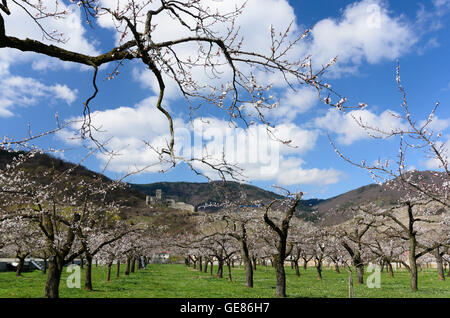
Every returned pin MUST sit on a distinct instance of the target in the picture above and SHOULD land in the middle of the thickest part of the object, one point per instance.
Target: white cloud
(276, 162)
(365, 32)
(65, 93)
(4, 105)
(291, 172)
(27, 91)
(293, 104)
(125, 129)
(253, 29)
(434, 163)
(441, 6)
(147, 79)
(257, 152)
(437, 125)
(20, 25)
(347, 129)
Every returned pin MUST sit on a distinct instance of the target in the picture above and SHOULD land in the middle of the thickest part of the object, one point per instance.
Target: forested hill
(203, 195)
(338, 209)
(199, 194)
(40, 163)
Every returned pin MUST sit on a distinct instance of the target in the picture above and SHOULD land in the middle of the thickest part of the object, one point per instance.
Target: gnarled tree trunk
(281, 276)
(133, 264)
(246, 259)
(413, 263)
(21, 263)
(108, 274)
(127, 269)
(88, 273)
(53, 279)
(440, 264)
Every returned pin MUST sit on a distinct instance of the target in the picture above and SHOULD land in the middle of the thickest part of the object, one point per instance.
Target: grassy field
(178, 281)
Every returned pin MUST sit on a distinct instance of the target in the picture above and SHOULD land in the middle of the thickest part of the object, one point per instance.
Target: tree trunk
(108, 275)
(44, 270)
(200, 264)
(254, 263)
(412, 250)
(336, 268)
(305, 264)
(440, 265)
(413, 263)
(319, 270)
(127, 270)
(133, 264)
(20, 265)
(220, 269)
(118, 269)
(53, 278)
(205, 269)
(350, 285)
(88, 273)
(281, 277)
(297, 269)
(247, 264)
(211, 267)
(359, 272)
(390, 269)
(229, 271)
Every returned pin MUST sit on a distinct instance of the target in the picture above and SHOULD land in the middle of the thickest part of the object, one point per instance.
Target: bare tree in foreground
(352, 241)
(281, 231)
(66, 208)
(415, 136)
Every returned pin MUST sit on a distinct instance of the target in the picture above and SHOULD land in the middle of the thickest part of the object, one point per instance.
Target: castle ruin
(160, 200)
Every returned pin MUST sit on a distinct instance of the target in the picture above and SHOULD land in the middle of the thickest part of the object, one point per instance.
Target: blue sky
(413, 32)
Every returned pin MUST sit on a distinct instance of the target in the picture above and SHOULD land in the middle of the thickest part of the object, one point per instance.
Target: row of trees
(252, 235)
(61, 216)
(71, 217)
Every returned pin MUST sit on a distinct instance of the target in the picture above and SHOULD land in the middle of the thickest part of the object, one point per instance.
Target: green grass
(178, 281)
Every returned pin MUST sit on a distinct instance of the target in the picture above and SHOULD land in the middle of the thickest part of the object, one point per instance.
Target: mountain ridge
(326, 211)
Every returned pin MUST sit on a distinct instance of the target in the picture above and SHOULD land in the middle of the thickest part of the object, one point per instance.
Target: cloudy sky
(367, 36)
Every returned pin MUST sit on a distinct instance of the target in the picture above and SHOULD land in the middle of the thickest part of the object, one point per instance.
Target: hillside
(199, 194)
(43, 162)
(202, 195)
(337, 209)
